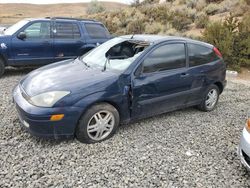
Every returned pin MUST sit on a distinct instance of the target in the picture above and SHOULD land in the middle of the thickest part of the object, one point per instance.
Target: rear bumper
(244, 149)
(36, 120)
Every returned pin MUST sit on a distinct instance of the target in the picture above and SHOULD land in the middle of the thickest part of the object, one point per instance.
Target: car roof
(155, 39)
(65, 19)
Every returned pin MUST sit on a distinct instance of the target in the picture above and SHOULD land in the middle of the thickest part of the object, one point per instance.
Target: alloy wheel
(100, 125)
(211, 99)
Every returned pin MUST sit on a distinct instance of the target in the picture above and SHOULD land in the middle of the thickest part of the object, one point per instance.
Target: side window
(97, 31)
(65, 30)
(167, 57)
(199, 55)
(38, 30)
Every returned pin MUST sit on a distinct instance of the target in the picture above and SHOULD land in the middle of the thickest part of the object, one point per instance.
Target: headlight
(48, 99)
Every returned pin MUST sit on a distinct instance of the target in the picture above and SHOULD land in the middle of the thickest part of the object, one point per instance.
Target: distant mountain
(13, 12)
(61, 1)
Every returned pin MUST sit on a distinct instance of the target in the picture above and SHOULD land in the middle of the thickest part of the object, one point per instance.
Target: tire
(2, 67)
(213, 93)
(92, 126)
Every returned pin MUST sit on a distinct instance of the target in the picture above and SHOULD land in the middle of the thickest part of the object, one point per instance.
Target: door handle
(184, 75)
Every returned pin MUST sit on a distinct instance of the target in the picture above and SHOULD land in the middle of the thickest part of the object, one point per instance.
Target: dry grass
(11, 13)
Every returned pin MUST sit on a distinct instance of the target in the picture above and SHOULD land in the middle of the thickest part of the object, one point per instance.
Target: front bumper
(244, 149)
(36, 120)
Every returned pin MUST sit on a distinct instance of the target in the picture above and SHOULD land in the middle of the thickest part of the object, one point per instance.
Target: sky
(59, 1)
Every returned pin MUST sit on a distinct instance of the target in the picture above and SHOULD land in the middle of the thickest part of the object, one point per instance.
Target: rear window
(66, 30)
(97, 31)
(199, 55)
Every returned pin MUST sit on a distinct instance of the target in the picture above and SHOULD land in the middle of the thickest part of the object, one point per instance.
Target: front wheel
(210, 99)
(98, 123)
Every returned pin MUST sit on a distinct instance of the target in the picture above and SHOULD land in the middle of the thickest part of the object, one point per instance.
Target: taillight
(217, 52)
(248, 125)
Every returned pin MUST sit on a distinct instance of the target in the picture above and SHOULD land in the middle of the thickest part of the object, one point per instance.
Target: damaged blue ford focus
(124, 79)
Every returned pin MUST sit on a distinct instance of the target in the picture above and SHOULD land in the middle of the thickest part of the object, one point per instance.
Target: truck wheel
(98, 123)
(2, 67)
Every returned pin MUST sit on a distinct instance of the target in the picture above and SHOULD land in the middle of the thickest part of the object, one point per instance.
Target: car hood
(70, 75)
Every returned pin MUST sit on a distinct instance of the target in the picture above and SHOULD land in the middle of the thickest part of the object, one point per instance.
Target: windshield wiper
(105, 64)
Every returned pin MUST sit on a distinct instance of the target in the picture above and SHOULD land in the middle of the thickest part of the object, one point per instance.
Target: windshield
(117, 54)
(12, 29)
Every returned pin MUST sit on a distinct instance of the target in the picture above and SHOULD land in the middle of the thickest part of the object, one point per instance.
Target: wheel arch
(112, 103)
(220, 86)
(4, 59)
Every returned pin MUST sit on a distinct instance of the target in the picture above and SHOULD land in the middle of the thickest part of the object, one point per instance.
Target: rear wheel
(2, 67)
(98, 123)
(210, 99)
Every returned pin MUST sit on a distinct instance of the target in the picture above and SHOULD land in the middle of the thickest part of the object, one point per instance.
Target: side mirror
(21, 35)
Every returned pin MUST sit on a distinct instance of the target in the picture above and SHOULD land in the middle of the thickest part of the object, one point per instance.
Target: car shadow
(53, 142)
(183, 111)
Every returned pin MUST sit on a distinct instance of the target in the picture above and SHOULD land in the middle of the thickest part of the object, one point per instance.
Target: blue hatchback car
(124, 79)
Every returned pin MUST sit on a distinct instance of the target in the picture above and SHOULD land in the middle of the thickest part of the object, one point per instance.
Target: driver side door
(36, 48)
(163, 82)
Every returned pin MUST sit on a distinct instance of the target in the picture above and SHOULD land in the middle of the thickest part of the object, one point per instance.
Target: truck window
(65, 30)
(96, 31)
(38, 30)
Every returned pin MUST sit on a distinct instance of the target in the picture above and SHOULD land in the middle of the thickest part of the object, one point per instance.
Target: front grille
(246, 157)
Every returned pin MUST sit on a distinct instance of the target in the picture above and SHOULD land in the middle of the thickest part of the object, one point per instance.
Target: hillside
(11, 13)
(188, 17)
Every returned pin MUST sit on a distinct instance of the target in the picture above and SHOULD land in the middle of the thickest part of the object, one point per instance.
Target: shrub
(200, 5)
(136, 27)
(242, 41)
(135, 3)
(180, 21)
(212, 8)
(233, 40)
(239, 8)
(154, 28)
(95, 7)
(191, 3)
(160, 13)
(201, 20)
(214, 1)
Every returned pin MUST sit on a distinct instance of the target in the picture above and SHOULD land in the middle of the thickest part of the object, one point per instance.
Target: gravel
(185, 148)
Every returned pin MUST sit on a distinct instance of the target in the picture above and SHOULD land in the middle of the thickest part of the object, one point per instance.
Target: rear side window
(97, 31)
(166, 57)
(66, 30)
(199, 55)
